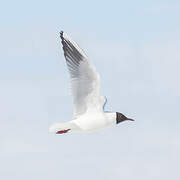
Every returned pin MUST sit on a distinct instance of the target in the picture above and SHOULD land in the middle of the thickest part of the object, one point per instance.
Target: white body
(95, 121)
(87, 122)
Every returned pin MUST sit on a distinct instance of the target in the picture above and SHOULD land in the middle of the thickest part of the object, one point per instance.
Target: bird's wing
(85, 81)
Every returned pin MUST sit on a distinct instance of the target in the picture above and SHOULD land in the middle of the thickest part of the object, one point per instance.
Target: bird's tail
(61, 128)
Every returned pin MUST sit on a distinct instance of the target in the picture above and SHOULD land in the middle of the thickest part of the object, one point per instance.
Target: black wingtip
(61, 34)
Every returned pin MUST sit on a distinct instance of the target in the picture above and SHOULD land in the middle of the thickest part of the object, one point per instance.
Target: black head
(121, 117)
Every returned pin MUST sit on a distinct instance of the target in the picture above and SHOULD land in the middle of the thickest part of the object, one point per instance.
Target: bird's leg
(63, 131)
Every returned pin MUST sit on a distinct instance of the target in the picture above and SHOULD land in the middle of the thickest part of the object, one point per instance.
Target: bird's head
(121, 117)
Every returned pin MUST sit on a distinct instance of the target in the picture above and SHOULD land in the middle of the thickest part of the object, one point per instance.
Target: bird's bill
(130, 119)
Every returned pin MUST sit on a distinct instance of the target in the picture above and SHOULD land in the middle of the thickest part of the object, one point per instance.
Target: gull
(89, 114)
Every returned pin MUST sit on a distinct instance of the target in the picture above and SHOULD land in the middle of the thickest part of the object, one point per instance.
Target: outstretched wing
(85, 81)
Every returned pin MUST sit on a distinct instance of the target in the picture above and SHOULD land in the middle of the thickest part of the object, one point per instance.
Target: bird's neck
(111, 117)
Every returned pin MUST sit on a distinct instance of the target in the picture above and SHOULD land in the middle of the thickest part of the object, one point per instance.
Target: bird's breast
(92, 122)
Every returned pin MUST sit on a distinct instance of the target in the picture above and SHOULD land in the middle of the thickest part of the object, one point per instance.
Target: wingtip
(61, 34)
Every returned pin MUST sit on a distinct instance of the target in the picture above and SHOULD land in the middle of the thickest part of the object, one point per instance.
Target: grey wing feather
(85, 81)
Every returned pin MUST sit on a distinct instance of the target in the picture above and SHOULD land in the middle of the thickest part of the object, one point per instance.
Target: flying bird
(89, 114)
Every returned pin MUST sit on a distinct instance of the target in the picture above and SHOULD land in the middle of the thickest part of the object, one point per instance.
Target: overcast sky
(135, 47)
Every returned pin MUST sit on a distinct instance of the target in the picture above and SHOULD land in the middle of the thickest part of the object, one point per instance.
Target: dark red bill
(130, 119)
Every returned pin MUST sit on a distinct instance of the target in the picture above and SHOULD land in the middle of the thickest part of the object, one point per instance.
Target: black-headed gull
(89, 114)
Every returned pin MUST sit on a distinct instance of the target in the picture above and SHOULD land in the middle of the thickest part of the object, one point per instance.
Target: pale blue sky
(135, 47)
